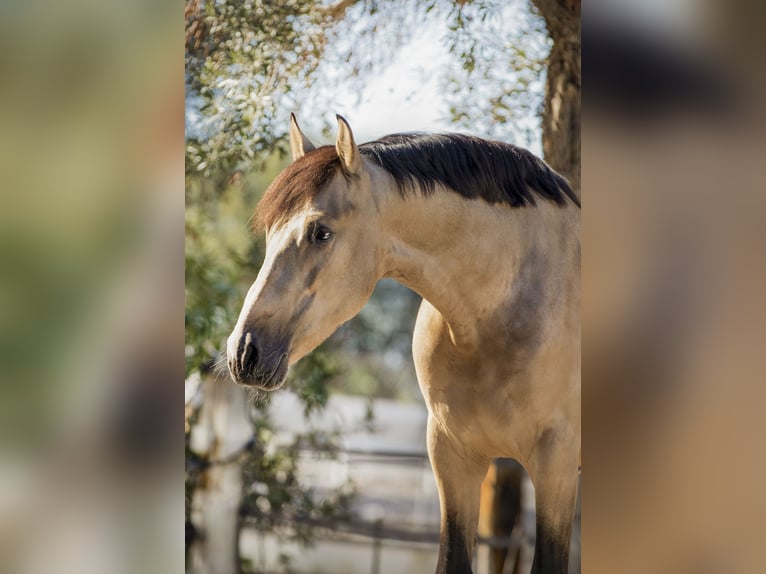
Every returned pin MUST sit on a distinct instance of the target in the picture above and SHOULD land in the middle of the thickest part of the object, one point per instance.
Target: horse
(488, 234)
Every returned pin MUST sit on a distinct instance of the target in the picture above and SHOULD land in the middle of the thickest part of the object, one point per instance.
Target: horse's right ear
(300, 145)
(348, 152)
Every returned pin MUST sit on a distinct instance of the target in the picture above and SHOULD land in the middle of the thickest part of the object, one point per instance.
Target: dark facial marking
(300, 309)
(311, 277)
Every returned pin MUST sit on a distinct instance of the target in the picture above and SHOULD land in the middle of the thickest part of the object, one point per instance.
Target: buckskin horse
(488, 234)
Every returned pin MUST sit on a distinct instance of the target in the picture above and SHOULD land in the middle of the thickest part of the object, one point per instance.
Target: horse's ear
(300, 145)
(350, 158)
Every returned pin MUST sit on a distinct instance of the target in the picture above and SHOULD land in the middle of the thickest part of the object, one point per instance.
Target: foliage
(309, 379)
(274, 499)
(502, 101)
(240, 56)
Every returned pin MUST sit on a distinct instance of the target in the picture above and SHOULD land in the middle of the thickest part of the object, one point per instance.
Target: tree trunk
(561, 114)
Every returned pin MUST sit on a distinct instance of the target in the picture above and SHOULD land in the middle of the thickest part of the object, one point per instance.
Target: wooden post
(223, 428)
(499, 513)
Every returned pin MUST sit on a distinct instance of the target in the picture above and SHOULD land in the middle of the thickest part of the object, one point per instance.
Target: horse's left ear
(300, 145)
(350, 158)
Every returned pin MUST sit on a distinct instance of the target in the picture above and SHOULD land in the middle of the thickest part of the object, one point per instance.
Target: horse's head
(321, 264)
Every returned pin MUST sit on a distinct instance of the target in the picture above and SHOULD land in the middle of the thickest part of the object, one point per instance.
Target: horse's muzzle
(253, 364)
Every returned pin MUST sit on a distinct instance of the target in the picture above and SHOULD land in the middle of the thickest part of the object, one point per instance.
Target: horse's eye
(321, 234)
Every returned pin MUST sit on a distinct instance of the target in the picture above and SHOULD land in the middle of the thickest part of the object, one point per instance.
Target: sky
(405, 97)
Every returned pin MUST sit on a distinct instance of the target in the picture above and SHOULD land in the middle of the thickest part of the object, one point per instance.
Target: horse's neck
(467, 257)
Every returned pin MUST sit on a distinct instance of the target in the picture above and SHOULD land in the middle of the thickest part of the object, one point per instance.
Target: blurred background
(92, 204)
(331, 474)
(673, 286)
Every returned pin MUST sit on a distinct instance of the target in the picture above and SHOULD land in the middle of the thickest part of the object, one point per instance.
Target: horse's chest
(485, 399)
(481, 402)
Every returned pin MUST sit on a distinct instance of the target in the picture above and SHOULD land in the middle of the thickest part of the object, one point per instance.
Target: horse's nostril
(248, 358)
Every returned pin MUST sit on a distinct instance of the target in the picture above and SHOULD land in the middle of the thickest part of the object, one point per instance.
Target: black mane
(475, 168)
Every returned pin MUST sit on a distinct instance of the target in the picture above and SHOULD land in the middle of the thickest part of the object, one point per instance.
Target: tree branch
(338, 10)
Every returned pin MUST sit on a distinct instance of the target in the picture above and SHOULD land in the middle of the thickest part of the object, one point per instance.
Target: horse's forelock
(296, 186)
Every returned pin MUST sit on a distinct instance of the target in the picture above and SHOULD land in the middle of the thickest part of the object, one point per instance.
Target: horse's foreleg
(555, 477)
(458, 474)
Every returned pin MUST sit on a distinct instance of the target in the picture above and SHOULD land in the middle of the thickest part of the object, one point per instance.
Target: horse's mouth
(267, 379)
